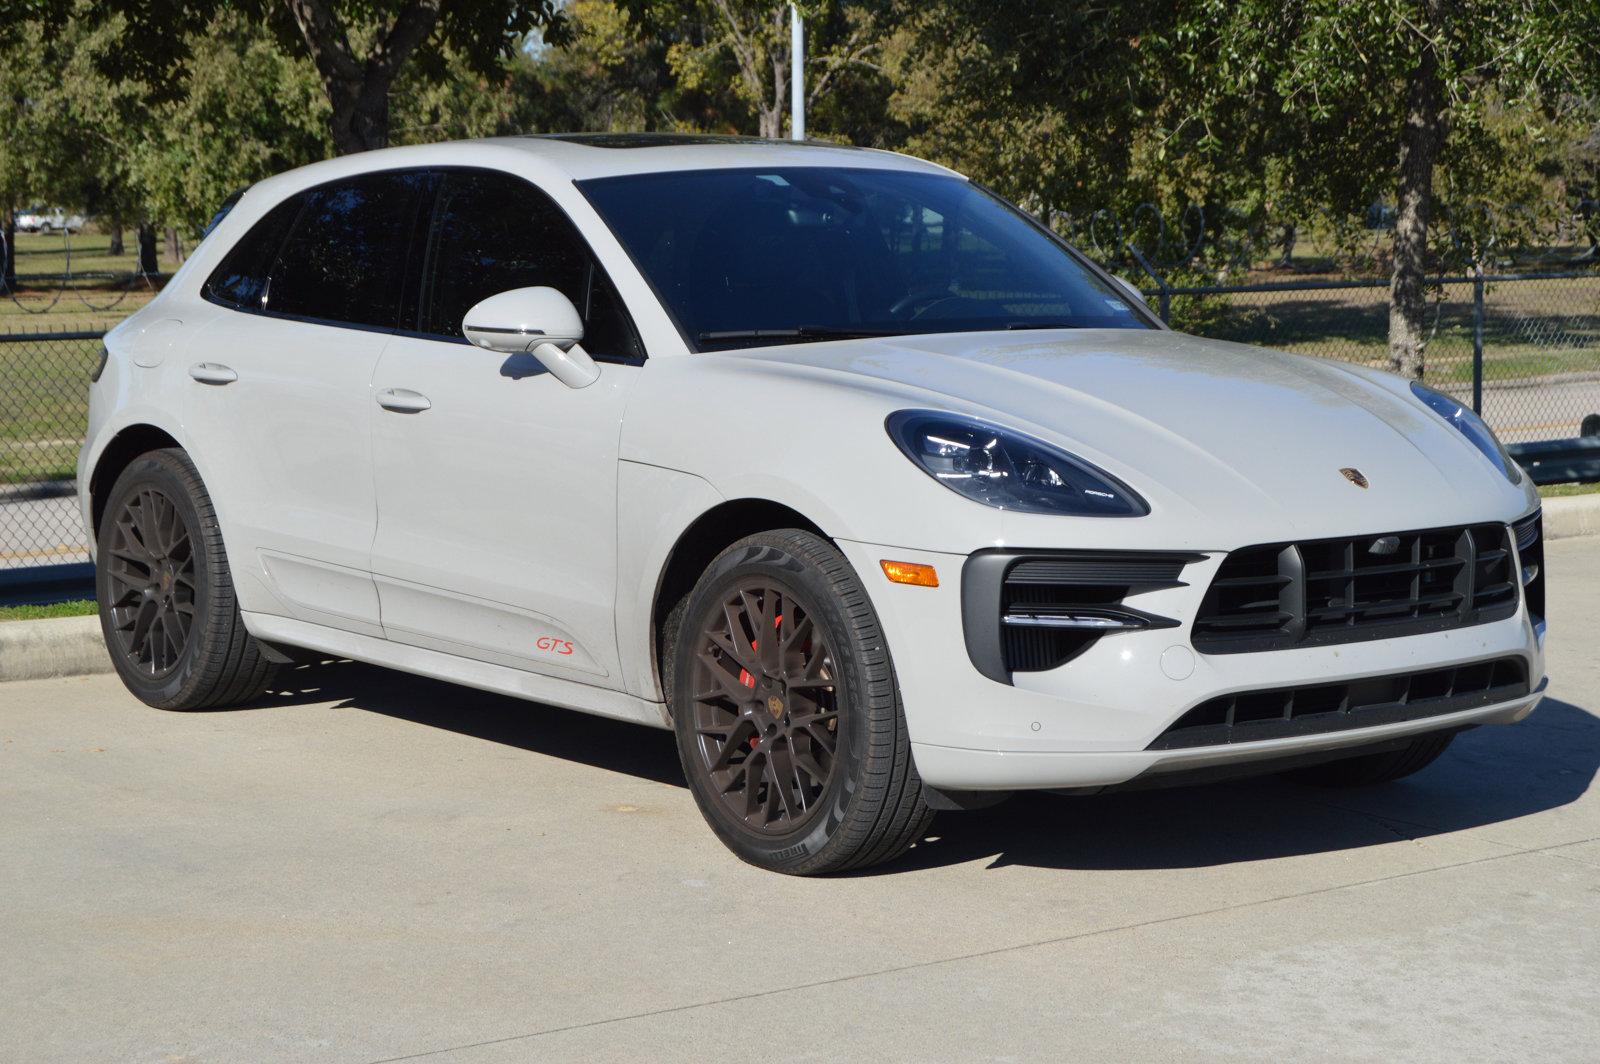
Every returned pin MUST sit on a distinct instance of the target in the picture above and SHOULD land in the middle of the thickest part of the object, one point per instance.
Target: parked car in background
(867, 485)
(48, 220)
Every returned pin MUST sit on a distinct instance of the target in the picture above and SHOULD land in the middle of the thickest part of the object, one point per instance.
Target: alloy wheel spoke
(152, 589)
(784, 778)
(808, 764)
(755, 770)
(731, 747)
(765, 707)
(736, 646)
(139, 637)
(727, 685)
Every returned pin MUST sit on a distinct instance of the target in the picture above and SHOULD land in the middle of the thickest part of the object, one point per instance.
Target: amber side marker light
(910, 573)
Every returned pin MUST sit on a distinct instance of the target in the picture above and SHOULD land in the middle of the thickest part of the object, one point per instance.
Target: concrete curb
(1574, 515)
(57, 646)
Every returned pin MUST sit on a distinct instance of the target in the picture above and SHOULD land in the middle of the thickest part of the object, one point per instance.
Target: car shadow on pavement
(616, 745)
(1489, 775)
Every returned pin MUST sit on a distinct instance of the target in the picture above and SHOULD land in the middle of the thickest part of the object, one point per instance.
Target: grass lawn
(62, 283)
(75, 608)
(1556, 491)
(44, 394)
(1531, 328)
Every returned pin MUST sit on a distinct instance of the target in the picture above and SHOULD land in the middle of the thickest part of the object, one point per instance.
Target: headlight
(1473, 427)
(1008, 470)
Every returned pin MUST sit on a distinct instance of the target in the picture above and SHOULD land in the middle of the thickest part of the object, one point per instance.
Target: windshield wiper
(1015, 325)
(803, 332)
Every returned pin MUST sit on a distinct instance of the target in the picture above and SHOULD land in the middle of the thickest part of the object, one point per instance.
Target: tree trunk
(116, 247)
(772, 119)
(1420, 140)
(174, 252)
(360, 118)
(8, 267)
(147, 249)
(358, 86)
(771, 122)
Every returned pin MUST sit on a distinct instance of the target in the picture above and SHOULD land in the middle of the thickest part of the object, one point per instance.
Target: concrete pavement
(370, 867)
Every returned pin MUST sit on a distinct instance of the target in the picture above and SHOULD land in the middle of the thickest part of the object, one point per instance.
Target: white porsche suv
(877, 493)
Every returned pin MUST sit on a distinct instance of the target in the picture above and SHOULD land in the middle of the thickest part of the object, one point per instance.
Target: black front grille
(1027, 611)
(1324, 591)
(1294, 711)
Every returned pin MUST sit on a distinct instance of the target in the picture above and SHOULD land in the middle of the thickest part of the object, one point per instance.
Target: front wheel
(786, 710)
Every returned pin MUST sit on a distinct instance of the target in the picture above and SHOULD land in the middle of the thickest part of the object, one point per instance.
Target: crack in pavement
(980, 954)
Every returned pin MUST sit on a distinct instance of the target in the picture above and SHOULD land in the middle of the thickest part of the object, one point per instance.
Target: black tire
(1369, 770)
(204, 658)
(869, 807)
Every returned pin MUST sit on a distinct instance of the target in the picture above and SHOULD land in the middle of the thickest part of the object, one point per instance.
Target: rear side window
(241, 280)
(492, 232)
(344, 260)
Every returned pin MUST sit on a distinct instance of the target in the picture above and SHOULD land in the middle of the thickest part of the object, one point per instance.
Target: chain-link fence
(1525, 349)
(44, 384)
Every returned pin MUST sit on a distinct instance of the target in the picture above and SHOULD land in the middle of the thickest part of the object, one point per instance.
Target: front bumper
(1089, 723)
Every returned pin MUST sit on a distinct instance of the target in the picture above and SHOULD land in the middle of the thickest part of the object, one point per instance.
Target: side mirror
(1130, 288)
(540, 321)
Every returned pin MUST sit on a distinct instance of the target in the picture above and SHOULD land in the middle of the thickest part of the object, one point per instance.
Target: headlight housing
(1008, 470)
(1473, 427)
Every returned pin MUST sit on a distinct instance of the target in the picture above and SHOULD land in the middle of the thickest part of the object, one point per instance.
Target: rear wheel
(786, 710)
(167, 607)
(1368, 770)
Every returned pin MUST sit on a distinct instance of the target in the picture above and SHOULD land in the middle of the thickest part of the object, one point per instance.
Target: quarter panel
(654, 508)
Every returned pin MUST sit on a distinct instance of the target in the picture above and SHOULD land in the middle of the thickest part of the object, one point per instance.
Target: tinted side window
(345, 258)
(241, 279)
(493, 232)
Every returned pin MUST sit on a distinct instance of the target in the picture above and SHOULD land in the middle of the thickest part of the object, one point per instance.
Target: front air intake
(1027, 611)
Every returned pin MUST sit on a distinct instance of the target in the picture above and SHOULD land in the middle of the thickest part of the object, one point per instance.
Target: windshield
(751, 257)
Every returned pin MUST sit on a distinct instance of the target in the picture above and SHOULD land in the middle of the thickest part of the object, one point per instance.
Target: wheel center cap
(775, 705)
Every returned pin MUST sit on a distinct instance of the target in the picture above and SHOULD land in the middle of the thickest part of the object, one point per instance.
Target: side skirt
(533, 687)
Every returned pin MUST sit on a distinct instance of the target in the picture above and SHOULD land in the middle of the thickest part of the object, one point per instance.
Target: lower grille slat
(1251, 716)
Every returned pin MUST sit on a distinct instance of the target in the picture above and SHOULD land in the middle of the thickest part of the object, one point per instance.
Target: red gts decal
(559, 646)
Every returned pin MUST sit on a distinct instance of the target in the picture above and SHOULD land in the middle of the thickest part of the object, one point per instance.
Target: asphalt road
(376, 868)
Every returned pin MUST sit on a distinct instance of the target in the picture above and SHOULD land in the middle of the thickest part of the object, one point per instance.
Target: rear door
(280, 398)
(496, 483)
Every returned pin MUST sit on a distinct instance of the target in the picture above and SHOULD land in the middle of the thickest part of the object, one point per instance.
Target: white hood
(1235, 442)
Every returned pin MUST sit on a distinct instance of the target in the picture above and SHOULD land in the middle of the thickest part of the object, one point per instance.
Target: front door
(496, 483)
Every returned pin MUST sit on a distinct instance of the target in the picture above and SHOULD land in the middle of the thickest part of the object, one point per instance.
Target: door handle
(212, 373)
(403, 401)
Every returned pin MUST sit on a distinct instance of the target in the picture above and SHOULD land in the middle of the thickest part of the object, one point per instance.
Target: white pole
(797, 74)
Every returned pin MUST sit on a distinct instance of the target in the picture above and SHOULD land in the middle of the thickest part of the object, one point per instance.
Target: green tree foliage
(217, 137)
(737, 51)
(1272, 108)
(1478, 119)
(359, 48)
